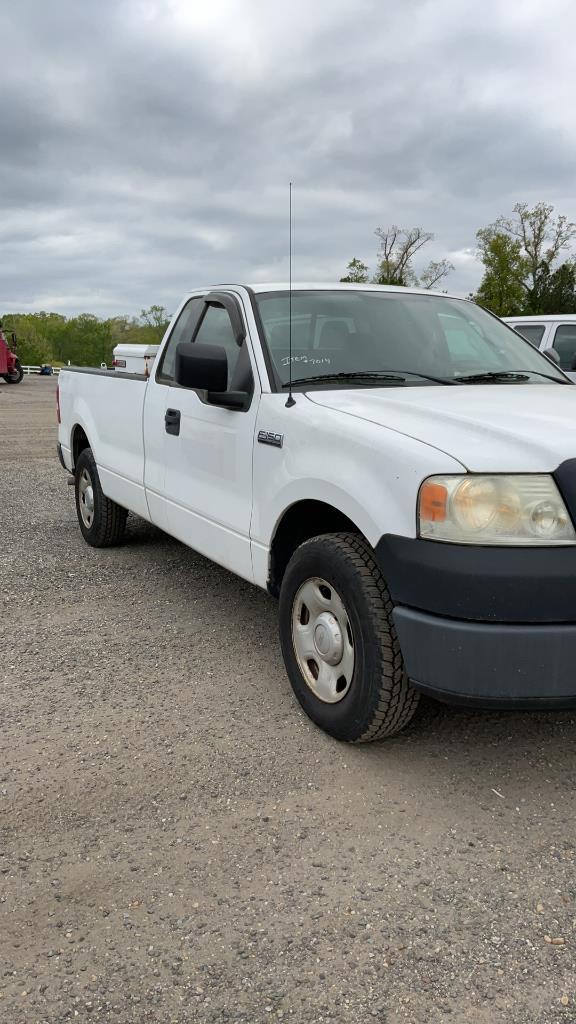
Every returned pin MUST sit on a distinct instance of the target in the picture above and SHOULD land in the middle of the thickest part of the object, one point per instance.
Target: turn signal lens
(473, 509)
(433, 500)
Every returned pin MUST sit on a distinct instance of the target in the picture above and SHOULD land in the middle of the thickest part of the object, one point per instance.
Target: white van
(557, 332)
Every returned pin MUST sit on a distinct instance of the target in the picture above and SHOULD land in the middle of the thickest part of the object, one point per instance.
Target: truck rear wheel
(339, 641)
(101, 520)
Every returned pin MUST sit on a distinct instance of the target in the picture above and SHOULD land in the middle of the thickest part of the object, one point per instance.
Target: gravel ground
(178, 843)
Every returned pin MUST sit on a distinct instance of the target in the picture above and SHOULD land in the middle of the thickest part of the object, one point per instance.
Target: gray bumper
(489, 664)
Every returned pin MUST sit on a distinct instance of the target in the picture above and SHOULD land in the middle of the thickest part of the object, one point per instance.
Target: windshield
(350, 332)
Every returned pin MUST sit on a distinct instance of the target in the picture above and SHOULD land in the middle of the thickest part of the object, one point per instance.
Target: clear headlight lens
(523, 509)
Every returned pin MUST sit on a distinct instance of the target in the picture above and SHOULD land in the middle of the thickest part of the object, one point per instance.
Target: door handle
(172, 421)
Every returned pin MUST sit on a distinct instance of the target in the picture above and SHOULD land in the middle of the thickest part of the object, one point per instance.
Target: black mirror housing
(204, 367)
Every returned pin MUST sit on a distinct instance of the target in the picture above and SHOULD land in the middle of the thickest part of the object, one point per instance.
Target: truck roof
(300, 286)
(547, 318)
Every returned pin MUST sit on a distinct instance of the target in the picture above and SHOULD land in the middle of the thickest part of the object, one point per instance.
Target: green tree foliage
(542, 237)
(153, 322)
(87, 341)
(556, 291)
(357, 272)
(502, 287)
(84, 340)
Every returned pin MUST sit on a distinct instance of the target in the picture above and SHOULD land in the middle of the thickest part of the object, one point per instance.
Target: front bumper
(491, 626)
(489, 664)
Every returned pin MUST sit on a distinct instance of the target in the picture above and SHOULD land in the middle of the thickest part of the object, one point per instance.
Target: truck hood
(488, 428)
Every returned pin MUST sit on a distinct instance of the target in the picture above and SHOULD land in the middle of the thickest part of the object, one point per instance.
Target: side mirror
(204, 367)
(552, 355)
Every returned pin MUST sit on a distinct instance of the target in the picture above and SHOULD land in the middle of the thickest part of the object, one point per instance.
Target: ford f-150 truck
(409, 495)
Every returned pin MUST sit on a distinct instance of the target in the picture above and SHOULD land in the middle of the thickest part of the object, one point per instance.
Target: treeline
(528, 266)
(84, 340)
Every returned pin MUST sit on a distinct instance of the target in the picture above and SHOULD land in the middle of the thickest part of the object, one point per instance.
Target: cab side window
(565, 345)
(216, 329)
(532, 332)
(183, 330)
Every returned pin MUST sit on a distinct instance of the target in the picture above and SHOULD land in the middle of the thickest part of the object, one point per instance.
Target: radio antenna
(290, 400)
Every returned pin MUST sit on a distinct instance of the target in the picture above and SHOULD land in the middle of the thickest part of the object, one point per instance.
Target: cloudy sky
(146, 145)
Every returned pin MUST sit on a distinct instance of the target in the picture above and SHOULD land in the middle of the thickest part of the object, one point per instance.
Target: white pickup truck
(411, 498)
(554, 335)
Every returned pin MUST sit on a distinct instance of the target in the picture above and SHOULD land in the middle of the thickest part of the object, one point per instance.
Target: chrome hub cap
(323, 641)
(86, 499)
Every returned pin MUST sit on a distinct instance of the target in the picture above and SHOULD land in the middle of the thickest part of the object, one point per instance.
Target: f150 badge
(269, 437)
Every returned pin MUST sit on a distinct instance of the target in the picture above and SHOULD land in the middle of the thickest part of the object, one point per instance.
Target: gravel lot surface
(179, 843)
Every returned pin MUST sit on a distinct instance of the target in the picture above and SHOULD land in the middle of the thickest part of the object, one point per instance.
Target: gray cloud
(146, 145)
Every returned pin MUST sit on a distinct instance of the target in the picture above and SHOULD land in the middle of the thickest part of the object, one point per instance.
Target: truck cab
(557, 333)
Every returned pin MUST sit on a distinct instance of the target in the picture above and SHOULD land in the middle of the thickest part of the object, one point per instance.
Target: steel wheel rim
(323, 640)
(86, 498)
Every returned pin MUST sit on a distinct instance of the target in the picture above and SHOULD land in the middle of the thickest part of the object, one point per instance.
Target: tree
(398, 247)
(85, 340)
(153, 323)
(502, 287)
(156, 316)
(542, 237)
(88, 341)
(557, 290)
(357, 272)
(435, 272)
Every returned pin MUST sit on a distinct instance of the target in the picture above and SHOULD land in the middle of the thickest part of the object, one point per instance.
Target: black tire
(380, 700)
(16, 376)
(108, 523)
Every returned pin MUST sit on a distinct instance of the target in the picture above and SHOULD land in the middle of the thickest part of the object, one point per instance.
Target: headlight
(523, 509)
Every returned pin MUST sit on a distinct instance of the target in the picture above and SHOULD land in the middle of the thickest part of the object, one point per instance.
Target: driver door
(208, 450)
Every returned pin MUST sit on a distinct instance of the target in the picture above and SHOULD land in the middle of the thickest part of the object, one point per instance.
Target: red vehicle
(10, 368)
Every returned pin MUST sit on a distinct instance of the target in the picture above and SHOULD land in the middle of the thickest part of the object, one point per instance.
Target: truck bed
(108, 406)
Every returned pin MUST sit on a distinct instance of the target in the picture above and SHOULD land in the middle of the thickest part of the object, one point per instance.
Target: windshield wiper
(397, 378)
(506, 377)
(351, 375)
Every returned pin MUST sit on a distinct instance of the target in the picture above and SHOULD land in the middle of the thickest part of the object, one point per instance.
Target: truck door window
(216, 329)
(183, 330)
(532, 332)
(565, 344)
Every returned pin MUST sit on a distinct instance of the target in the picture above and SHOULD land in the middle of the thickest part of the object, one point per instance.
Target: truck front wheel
(339, 642)
(101, 520)
(16, 375)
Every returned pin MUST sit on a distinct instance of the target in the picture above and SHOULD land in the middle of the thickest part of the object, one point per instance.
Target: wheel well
(79, 443)
(299, 523)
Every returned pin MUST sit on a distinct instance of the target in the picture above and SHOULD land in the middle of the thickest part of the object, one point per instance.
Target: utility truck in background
(10, 368)
(397, 466)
